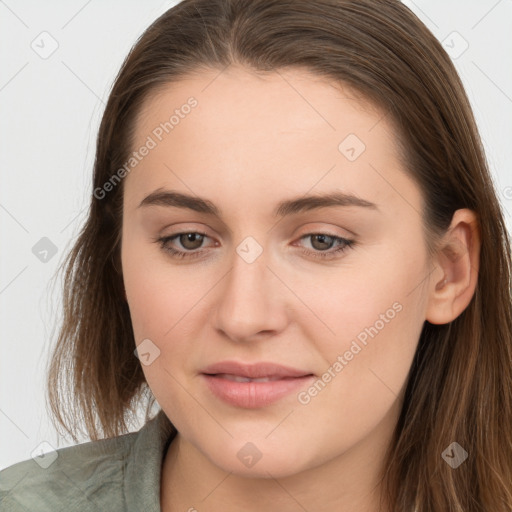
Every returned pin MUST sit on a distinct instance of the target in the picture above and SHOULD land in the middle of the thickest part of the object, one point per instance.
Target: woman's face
(264, 284)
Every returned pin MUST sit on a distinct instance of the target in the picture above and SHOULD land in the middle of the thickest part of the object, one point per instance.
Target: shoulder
(111, 475)
(83, 477)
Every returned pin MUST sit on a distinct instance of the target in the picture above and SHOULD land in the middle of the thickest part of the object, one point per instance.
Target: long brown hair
(460, 383)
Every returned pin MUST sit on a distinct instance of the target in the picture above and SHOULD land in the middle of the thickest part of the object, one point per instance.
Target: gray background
(50, 111)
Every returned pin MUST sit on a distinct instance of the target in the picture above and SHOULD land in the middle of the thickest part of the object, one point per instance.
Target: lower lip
(252, 395)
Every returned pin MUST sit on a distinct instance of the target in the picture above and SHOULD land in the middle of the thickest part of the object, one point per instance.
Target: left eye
(192, 241)
(321, 239)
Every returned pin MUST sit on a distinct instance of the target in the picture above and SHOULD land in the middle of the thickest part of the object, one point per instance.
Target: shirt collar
(144, 464)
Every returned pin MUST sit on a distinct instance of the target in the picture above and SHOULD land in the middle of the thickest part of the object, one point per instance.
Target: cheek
(167, 306)
(156, 291)
(370, 320)
(366, 368)
(161, 307)
(161, 304)
(375, 294)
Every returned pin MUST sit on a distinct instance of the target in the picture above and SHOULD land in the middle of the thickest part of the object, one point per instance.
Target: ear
(452, 284)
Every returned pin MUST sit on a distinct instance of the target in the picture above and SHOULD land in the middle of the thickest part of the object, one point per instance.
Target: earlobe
(454, 281)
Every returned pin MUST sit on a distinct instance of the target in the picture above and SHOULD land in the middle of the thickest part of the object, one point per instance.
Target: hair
(460, 383)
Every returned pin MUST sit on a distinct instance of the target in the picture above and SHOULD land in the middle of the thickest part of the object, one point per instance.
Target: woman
(294, 226)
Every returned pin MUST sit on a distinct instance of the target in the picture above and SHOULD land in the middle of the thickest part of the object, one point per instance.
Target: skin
(251, 142)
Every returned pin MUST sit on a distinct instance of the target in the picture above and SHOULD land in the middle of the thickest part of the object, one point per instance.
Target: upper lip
(255, 370)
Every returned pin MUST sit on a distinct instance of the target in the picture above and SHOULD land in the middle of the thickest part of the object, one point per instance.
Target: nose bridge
(248, 302)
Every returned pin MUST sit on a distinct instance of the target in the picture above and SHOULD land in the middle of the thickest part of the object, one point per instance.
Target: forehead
(286, 131)
(286, 102)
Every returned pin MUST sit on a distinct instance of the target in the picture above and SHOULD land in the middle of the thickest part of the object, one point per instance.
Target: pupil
(191, 238)
(322, 239)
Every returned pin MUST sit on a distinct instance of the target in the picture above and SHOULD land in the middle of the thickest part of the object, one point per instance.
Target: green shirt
(109, 475)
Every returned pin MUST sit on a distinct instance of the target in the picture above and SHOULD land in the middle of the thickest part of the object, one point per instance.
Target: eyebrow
(284, 208)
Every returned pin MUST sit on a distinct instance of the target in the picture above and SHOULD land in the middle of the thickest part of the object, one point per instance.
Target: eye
(322, 245)
(190, 241)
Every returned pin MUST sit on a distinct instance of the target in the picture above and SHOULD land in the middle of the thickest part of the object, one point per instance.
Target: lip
(255, 370)
(252, 395)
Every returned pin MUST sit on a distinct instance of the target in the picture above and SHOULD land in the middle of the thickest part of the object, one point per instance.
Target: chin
(259, 459)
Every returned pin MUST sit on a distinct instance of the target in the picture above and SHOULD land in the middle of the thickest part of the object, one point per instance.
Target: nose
(250, 301)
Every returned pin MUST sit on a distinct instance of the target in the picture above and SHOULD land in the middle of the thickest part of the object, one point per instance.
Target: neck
(349, 482)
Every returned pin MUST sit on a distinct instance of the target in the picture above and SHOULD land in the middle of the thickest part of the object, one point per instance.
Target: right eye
(190, 241)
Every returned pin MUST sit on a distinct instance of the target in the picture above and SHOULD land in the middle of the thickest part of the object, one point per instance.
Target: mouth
(253, 386)
(240, 378)
(260, 370)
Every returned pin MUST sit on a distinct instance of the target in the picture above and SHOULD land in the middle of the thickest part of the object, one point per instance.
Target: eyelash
(325, 255)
